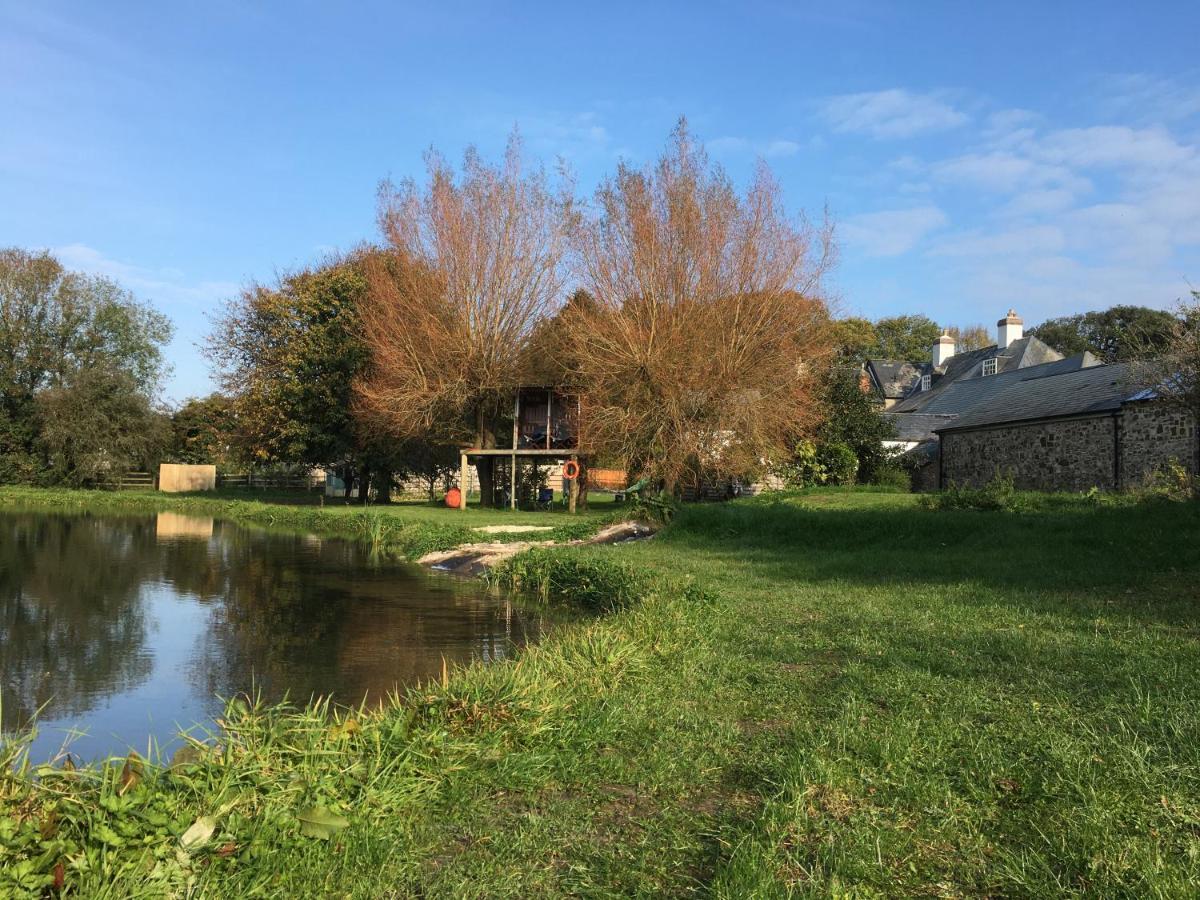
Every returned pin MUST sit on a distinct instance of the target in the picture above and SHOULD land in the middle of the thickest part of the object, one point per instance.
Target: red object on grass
(454, 498)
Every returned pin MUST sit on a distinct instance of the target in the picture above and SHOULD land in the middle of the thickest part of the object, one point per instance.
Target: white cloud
(729, 145)
(892, 113)
(1031, 240)
(1002, 171)
(891, 232)
(164, 287)
(1112, 146)
(781, 148)
(1149, 98)
(1043, 201)
(1120, 232)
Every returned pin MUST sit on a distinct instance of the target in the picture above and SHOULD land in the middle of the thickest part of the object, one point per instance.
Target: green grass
(408, 528)
(832, 693)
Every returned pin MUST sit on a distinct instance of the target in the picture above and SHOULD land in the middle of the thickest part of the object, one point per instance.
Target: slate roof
(948, 400)
(1093, 390)
(895, 377)
(917, 426)
(1020, 354)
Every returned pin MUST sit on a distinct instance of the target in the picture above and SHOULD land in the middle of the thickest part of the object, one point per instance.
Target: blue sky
(1044, 156)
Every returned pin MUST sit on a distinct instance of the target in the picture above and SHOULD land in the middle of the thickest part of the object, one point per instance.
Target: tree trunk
(485, 439)
(583, 484)
(364, 489)
(383, 486)
(484, 469)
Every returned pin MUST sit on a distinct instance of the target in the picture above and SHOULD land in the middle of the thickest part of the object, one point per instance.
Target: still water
(130, 628)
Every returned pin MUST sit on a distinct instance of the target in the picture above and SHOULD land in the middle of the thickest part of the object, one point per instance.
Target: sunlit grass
(832, 693)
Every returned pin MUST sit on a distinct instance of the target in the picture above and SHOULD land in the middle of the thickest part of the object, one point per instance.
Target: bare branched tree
(1173, 374)
(707, 335)
(474, 263)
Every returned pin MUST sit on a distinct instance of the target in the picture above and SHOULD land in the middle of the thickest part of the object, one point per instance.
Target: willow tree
(707, 338)
(473, 262)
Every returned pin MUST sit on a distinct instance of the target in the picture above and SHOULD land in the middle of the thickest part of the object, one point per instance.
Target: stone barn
(1068, 432)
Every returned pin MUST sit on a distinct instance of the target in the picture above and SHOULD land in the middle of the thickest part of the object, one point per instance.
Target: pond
(128, 629)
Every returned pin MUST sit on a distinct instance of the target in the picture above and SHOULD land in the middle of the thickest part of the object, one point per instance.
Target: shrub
(804, 469)
(839, 462)
(998, 494)
(572, 576)
(1172, 481)
(893, 475)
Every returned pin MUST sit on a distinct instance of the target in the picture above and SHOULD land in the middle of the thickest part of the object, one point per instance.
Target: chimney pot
(943, 349)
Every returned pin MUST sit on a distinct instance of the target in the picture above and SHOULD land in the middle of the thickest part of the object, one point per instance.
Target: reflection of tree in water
(286, 613)
(72, 624)
(316, 617)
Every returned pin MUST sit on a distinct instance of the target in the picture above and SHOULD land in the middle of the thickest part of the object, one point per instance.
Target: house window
(989, 367)
(926, 382)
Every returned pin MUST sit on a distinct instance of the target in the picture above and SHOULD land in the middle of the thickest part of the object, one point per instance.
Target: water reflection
(169, 526)
(130, 626)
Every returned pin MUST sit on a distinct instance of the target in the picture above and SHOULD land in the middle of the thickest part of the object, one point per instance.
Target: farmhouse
(1019, 407)
(1070, 431)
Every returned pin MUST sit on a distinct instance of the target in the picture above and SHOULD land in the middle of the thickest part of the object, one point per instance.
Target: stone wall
(1152, 434)
(1058, 455)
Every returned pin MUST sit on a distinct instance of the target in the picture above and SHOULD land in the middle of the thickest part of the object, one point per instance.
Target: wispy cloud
(1149, 98)
(894, 113)
(891, 232)
(166, 288)
(734, 146)
(1002, 171)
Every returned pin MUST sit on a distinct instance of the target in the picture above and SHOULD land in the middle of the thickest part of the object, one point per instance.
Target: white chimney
(1010, 328)
(943, 349)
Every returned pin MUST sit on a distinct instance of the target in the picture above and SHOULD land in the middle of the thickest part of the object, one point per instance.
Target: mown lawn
(867, 698)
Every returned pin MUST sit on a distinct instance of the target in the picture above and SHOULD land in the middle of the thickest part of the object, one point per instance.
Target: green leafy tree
(905, 337)
(288, 355)
(204, 431)
(97, 426)
(57, 328)
(1118, 334)
(855, 420)
(855, 339)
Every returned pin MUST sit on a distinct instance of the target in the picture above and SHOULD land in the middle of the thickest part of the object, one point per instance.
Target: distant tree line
(688, 316)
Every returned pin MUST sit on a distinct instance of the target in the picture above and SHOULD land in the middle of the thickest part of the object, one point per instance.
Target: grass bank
(832, 693)
(408, 528)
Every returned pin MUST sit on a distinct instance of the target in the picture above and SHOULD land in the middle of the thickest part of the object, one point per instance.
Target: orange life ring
(571, 469)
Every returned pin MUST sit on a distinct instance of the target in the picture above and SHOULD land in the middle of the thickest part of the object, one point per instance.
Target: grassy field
(835, 693)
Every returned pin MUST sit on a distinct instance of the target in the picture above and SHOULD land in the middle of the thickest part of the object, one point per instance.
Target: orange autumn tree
(472, 263)
(703, 349)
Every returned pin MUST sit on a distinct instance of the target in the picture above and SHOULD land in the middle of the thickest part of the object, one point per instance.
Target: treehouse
(545, 430)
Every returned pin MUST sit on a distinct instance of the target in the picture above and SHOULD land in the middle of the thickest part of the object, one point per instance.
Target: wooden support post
(512, 491)
(464, 480)
(573, 490)
(512, 481)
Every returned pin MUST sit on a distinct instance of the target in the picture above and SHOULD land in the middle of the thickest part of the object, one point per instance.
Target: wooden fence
(135, 481)
(251, 480)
